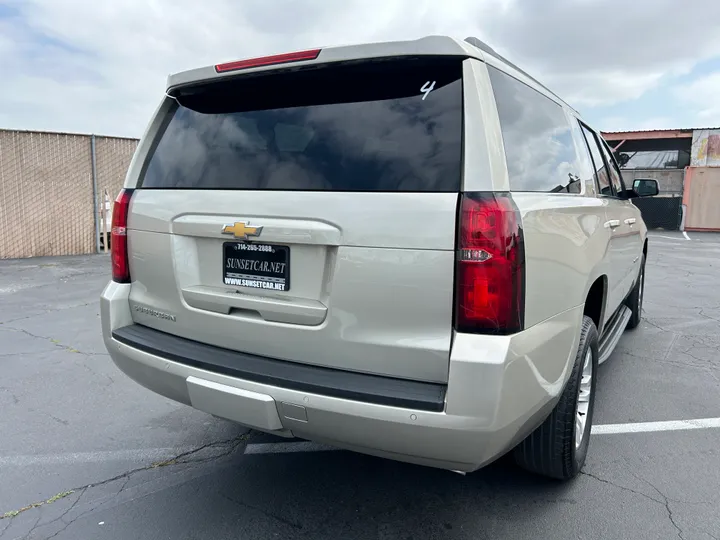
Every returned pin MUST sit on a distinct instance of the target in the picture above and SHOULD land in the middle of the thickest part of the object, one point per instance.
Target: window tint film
(392, 125)
(539, 147)
(598, 163)
(612, 169)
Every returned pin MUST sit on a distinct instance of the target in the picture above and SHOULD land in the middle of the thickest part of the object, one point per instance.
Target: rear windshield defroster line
(393, 125)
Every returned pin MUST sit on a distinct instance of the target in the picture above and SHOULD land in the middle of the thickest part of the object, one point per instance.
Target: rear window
(392, 125)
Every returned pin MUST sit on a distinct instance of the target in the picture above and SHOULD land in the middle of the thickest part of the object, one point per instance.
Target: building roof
(681, 133)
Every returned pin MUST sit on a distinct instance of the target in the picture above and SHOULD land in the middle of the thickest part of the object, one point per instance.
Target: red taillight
(118, 237)
(268, 60)
(490, 282)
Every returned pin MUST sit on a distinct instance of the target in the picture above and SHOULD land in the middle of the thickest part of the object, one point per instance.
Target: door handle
(630, 221)
(612, 223)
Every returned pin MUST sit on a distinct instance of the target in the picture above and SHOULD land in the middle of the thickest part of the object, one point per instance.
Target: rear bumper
(499, 389)
(291, 375)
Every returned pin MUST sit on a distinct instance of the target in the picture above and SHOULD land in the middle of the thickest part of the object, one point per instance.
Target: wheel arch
(595, 300)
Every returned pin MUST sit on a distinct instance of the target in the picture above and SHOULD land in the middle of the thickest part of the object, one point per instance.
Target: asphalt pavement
(85, 453)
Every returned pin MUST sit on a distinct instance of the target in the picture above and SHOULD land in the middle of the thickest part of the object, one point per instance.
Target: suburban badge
(154, 313)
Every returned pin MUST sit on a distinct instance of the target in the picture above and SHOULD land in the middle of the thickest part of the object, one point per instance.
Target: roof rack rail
(481, 45)
(484, 47)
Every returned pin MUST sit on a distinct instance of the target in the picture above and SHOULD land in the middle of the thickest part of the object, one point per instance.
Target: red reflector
(489, 296)
(268, 60)
(118, 237)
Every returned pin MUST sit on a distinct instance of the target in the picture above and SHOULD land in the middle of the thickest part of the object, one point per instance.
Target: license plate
(259, 266)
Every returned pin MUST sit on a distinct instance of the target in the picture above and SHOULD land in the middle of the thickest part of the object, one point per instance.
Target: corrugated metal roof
(659, 130)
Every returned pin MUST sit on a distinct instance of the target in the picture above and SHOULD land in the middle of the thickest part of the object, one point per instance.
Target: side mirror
(645, 187)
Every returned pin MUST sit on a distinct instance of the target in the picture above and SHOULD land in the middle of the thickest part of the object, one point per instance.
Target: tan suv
(408, 249)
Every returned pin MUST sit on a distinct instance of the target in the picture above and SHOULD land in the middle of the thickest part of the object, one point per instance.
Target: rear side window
(601, 172)
(615, 177)
(391, 125)
(539, 148)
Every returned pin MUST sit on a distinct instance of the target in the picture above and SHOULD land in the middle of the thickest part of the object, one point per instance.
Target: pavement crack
(32, 529)
(92, 371)
(61, 517)
(44, 338)
(15, 399)
(649, 321)
(280, 519)
(55, 342)
(44, 312)
(229, 445)
(702, 314)
(666, 502)
(122, 488)
(13, 513)
(58, 420)
(624, 488)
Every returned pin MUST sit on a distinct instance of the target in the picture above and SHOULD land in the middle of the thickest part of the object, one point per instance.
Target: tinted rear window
(373, 126)
(539, 146)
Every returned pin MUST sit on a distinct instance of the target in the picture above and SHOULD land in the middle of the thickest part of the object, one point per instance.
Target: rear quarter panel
(565, 251)
(565, 239)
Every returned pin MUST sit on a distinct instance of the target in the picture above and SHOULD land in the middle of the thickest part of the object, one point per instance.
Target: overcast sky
(100, 65)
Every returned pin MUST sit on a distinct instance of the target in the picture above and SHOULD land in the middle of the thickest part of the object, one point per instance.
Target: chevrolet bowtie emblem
(242, 229)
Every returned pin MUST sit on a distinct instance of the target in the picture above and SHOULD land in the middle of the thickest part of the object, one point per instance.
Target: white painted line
(143, 455)
(602, 429)
(286, 447)
(668, 237)
(150, 455)
(647, 427)
(686, 235)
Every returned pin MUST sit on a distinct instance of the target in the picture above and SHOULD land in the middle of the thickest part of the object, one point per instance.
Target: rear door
(625, 244)
(618, 245)
(626, 237)
(307, 215)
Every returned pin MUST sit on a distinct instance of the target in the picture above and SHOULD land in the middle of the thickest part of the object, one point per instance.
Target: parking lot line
(102, 456)
(645, 427)
(601, 429)
(155, 454)
(686, 235)
(286, 447)
(676, 238)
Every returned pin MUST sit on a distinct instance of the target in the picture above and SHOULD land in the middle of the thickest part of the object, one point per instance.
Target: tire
(551, 449)
(635, 300)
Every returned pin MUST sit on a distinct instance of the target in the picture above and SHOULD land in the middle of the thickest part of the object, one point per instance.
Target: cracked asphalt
(87, 453)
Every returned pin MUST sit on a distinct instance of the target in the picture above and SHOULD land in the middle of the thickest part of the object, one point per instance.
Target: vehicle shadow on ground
(221, 492)
(363, 488)
(338, 494)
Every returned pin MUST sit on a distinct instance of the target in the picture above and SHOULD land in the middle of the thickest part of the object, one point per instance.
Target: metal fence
(51, 190)
(661, 212)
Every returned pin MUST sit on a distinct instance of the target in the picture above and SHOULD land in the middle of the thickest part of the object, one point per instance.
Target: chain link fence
(51, 192)
(112, 159)
(665, 210)
(661, 212)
